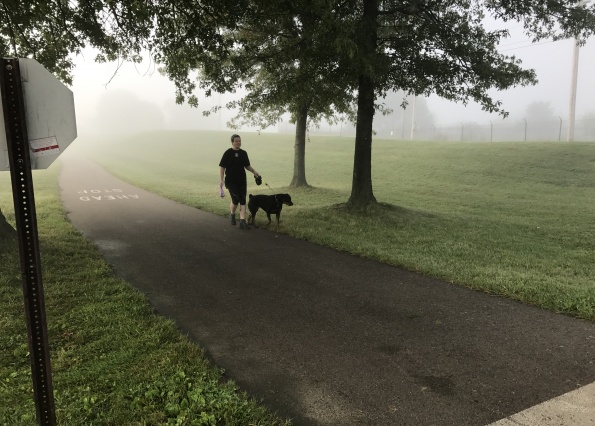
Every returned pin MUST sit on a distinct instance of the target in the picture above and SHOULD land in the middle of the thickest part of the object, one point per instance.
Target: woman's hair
(234, 136)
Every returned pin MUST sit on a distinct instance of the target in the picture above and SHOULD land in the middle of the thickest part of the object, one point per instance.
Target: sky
(100, 87)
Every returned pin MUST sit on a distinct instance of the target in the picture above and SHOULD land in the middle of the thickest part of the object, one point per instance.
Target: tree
(289, 73)
(277, 52)
(541, 122)
(121, 112)
(265, 107)
(51, 31)
(539, 111)
(441, 47)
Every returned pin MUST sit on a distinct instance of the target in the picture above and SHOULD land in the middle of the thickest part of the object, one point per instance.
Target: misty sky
(552, 62)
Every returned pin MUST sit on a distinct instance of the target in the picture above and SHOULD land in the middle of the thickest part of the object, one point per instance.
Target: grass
(513, 219)
(114, 360)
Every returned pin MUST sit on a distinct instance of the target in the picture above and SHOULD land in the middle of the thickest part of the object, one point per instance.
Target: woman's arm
(250, 168)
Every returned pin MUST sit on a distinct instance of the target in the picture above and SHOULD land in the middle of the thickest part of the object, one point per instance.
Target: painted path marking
(105, 195)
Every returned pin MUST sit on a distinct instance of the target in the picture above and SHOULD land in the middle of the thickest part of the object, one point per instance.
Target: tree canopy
(54, 31)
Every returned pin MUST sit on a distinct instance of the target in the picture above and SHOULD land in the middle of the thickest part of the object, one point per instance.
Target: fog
(134, 97)
(553, 63)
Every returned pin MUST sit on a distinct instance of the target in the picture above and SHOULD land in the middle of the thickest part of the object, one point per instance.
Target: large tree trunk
(299, 158)
(361, 188)
(6, 230)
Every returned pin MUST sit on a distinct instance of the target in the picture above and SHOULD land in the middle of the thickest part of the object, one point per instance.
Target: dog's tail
(250, 196)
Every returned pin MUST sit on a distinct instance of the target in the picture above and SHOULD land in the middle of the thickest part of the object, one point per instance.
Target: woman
(233, 174)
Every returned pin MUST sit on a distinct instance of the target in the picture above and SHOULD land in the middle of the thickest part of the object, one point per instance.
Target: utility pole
(573, 84)
(403, 124)
(413, 118)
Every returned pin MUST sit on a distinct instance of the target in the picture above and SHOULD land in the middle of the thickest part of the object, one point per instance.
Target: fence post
(560, 131)
(403, 125)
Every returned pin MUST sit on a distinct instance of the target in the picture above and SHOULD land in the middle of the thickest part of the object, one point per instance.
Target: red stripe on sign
(47, 148)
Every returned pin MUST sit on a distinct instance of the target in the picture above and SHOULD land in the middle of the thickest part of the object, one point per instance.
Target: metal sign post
(24, 204)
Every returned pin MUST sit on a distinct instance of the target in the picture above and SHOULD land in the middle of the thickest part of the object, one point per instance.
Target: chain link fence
(550, 130)
(584, 130)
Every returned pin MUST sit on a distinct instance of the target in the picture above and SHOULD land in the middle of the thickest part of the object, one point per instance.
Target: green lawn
(514, 219)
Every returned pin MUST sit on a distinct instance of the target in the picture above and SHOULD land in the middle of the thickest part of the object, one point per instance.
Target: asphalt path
(324, 337)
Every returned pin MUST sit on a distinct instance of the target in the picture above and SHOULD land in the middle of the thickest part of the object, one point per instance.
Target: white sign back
(50, 116)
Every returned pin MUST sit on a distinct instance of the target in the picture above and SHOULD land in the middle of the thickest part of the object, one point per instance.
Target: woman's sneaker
(232, 217)
(244, 225)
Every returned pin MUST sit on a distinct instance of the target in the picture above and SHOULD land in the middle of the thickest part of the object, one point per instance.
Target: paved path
(324, 337)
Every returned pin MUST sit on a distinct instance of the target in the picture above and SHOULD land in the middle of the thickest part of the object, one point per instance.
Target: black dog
(270, 204)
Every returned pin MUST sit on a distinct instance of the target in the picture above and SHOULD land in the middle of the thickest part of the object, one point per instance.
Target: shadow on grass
(381, 210)
(9, 263)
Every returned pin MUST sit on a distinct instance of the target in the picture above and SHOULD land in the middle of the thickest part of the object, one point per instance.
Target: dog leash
(275, 195)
